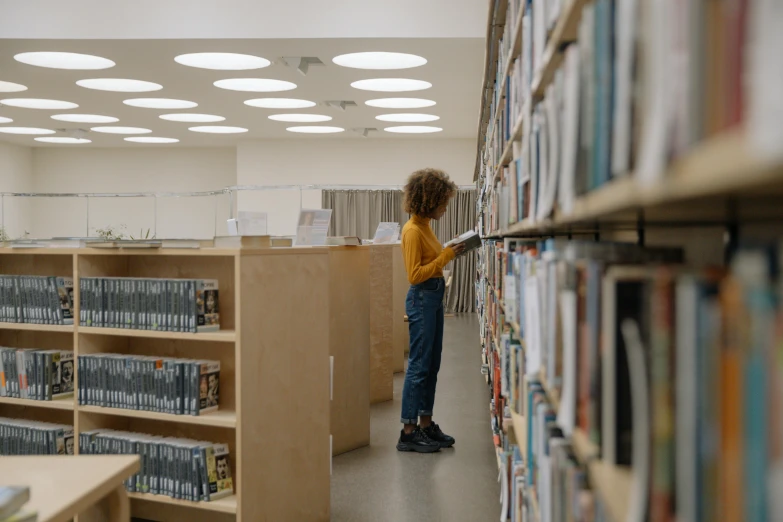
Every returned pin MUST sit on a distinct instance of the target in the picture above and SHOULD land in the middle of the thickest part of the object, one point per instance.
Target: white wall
(16, 164)
(58, 170)
(339, 161)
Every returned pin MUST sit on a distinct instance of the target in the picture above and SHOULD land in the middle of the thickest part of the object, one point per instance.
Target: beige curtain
(358, 212)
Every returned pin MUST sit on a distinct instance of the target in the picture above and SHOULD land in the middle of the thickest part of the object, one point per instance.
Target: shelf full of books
(629, 385)
(181, 359)
(626, 108)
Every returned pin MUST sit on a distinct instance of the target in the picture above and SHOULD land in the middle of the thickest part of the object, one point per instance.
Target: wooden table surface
(63, 486)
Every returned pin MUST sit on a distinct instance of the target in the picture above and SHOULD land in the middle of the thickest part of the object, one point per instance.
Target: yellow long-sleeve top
(424, 256)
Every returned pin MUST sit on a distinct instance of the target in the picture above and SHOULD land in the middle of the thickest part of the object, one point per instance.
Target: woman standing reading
(427, 195)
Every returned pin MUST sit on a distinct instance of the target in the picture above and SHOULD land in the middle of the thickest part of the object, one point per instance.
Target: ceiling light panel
(160, 103)
(302, 118)
(218, 129)
(379, 60)
(400, 103)
(64, 140)
(391, 85)
(59, 60)
(11, 87)
(3, 119)
(119, 85)
(413, 129)
(38, 103)
(407, 117)
(25, 130)
(255, 85)
(280, 103)
(121, 130)
(223, 61)
(85, 118)
(315, 129)
(151, 139)
(192, 117)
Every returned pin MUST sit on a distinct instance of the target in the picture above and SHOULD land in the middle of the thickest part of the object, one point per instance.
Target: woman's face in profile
(438, 213)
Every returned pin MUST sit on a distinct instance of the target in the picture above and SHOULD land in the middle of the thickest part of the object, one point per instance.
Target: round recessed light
(315, 129)
(379, 60)
(407, 117)
(119, 85)
(38, 103)
(413, 129)
(58, 60)
(255, 85)
(85, 118)
(25, 130)
(65, 141)
(400, 103)
(218, 129)
(391, 85)
(3, 119)
(151, 139)
(160, 103)
(121, 130)
(223, 61)
(11, 87)
(191, 117)
(280, 103)
(309, 118)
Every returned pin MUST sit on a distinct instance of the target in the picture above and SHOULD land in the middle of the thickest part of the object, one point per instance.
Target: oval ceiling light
(38, 103)
(3, 119)
(280, 103)
(308, 118)
(218, 129)
(391, 85)
(58, 60)
(64, 140)
(121, 130)
(413, 129)
(315, 129)
(85, 118)
(151, 139)
(407, 117)
(160, 103)
(11, 87)
(400, 103)
(191, 117)
(255, 85)
(223, 61)
(25, 130)
(119, 85)
(379, 60)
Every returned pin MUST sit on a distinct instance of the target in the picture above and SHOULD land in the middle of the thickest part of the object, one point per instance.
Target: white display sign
(313, 226)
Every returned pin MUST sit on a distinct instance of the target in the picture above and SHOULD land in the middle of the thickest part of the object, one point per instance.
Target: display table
(62, 487)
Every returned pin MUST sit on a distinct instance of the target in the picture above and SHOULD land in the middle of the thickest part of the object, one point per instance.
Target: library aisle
(379, 483)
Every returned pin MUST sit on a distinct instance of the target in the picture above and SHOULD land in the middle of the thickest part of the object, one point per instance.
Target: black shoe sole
(401, 446)
(444, 445)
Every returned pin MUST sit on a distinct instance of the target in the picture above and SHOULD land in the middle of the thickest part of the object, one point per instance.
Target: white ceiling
(454, 68)
(161, 19)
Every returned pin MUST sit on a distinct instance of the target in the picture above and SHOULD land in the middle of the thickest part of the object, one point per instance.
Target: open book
(470, 239)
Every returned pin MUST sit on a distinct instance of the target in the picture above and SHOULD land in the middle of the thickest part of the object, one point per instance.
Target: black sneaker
(417, 441)
(433, 432)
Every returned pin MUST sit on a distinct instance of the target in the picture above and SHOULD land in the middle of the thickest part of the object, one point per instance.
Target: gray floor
(380, 484)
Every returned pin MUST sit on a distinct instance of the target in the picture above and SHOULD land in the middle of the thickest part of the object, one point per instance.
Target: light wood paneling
(283, 383)
(381, 323)
(400, 334)
(349, 343)
(17, 263)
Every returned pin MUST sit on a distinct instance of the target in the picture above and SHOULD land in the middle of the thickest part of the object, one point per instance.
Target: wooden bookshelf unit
(274, 410)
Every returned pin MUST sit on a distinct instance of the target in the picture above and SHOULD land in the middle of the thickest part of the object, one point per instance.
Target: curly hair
(426, 190)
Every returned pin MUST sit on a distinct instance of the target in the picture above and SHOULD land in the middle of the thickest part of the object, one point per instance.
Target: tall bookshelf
(710, 193)
(274, 374)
